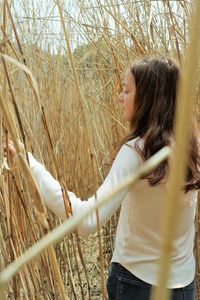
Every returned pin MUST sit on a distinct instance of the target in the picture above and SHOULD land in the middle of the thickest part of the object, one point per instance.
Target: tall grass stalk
(182, 127)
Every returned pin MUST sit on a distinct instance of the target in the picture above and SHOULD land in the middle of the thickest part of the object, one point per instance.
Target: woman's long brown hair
(156, 81)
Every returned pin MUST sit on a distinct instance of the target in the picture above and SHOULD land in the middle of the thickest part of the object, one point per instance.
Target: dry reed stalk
(182, 129)
(56, 234)
(14, 101)
(15, 30)
(4, 92)
(57, 273)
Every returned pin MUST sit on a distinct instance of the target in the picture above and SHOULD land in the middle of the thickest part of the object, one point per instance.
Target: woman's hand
(10, 147)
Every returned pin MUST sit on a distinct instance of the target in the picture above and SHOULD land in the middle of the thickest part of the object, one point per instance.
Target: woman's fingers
(9, 147)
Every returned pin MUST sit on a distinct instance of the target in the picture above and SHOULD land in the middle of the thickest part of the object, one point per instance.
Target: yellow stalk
(178, 165)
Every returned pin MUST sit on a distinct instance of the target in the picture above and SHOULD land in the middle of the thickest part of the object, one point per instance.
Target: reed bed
(62, 100)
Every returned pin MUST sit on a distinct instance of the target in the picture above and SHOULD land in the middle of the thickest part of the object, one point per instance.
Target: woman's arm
(125, 163)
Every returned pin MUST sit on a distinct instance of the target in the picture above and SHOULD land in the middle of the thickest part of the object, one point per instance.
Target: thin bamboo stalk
(15, 31)
(3, 48)
(14, 100)
(182, 129)
(57, 272)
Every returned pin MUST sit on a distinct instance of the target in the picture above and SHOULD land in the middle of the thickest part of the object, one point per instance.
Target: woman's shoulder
(135, 140)
(136, 143)
(129, 151)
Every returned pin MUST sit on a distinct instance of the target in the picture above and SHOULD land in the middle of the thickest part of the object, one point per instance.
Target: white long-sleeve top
(138, 237)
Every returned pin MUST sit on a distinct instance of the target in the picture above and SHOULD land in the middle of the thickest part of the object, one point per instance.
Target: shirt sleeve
(124, 164)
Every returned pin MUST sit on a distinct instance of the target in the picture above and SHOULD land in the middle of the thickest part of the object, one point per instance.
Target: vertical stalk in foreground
(178, 168)
(3, 49)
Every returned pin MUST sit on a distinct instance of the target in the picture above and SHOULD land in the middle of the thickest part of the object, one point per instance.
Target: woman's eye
(126, 92)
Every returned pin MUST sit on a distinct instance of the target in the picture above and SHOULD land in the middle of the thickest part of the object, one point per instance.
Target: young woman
(148, 102)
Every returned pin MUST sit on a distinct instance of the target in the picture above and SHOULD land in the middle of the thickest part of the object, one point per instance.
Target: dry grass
(74, 121)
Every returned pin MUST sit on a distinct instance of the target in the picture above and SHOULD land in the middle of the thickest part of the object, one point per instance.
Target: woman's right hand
(9, 146)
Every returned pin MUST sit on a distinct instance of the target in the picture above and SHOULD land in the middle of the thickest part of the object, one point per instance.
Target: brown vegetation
(71, 121)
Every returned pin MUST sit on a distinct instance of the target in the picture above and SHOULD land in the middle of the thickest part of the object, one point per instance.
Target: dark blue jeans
(123, 285)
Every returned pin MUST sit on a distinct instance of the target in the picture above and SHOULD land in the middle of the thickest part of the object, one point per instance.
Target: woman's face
(126, 98)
